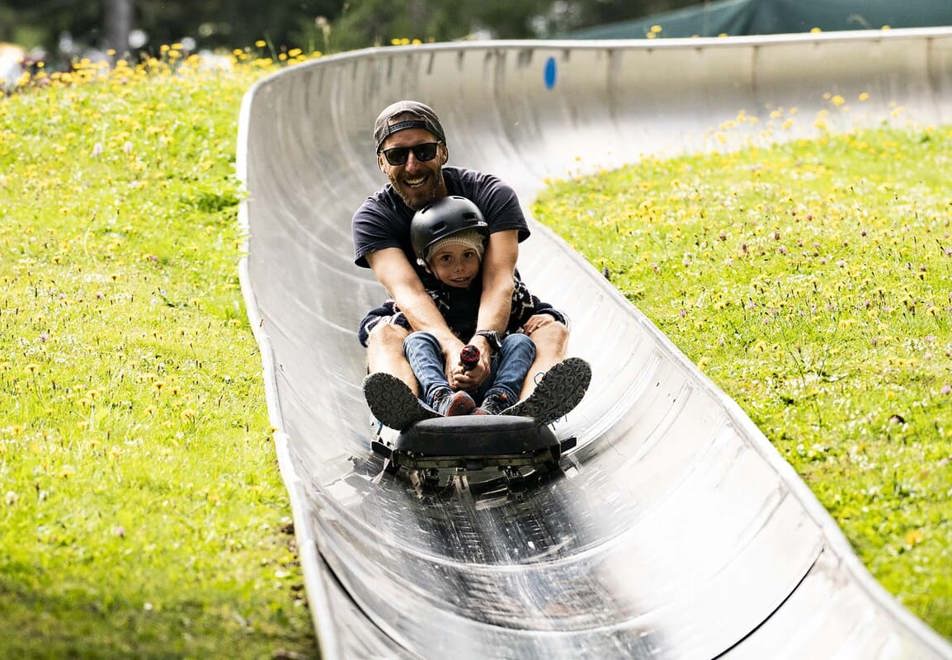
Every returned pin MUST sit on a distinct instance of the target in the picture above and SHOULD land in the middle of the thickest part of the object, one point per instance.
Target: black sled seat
(475, 441)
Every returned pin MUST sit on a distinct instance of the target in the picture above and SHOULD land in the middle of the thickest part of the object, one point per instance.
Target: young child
(449, 239)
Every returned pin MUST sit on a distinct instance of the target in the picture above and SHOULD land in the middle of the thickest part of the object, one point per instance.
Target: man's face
(417, 182)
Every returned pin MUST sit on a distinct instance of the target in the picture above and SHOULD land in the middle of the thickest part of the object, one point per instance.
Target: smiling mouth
(416, 182)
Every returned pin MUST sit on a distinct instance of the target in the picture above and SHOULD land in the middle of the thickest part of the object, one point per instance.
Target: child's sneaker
(452, 404)
(494, 403)
(558, 392)
(392, 402)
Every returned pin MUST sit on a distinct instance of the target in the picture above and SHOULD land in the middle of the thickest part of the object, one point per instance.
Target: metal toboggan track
(677, 530)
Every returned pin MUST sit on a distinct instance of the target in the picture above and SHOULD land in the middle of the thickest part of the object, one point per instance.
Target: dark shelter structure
(744, 17)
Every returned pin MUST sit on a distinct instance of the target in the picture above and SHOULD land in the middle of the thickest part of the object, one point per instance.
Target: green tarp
(740, 17)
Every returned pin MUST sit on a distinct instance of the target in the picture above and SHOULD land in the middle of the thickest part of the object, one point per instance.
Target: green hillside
(142, 513)
(812, 281)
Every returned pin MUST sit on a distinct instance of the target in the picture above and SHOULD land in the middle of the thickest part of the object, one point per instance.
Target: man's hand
(469, 379)
(536, 321)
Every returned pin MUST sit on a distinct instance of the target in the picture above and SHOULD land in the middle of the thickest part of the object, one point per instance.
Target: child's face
(455, 265)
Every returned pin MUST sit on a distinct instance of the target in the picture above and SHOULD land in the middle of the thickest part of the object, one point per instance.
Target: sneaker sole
(461, 403)
(392, 402)
(561, 389)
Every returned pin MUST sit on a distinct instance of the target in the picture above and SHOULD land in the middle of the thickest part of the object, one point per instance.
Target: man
(412, 153)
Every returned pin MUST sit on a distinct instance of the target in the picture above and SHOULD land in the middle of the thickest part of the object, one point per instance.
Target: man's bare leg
(385, 353)
(551, 341)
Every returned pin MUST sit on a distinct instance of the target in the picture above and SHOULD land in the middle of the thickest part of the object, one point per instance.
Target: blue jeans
(508, 367)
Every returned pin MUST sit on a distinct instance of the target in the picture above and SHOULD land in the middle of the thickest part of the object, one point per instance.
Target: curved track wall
(677, 530)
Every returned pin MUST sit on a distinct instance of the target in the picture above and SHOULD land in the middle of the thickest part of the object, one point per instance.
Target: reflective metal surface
(677, 531)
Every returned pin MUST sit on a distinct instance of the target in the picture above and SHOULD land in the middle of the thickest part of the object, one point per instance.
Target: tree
(376, 22)
(311, 24)
(118, 24)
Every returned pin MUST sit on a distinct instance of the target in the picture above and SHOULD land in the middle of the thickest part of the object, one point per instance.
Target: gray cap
(425, 119)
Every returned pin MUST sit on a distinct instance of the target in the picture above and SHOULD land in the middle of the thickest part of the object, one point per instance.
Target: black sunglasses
(422, 152)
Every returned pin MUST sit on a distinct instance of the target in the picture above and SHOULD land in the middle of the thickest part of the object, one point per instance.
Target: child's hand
(451, 355)
(471, 369)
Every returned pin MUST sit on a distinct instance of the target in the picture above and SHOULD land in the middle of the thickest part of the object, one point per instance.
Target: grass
(812, 281)
(141, 509)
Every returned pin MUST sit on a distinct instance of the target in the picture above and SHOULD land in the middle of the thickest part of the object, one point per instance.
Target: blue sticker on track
(550, 73)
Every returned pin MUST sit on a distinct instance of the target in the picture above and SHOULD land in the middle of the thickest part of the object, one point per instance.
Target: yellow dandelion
(837, 100)
(886, 28)
(294, 52)
(655, 29)
(815, 30)
(261, 43)
(863, 96)
(394, 42)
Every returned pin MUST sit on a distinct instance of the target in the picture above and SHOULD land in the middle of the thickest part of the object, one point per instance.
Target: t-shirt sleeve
(497, 200)
(371, 232)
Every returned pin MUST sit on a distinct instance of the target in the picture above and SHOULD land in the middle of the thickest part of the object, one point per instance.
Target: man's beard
(418, 198)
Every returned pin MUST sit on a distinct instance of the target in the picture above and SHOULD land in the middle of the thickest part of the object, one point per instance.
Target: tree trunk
(118, 25)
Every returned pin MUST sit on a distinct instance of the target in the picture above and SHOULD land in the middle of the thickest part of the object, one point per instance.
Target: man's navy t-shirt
(383, 220)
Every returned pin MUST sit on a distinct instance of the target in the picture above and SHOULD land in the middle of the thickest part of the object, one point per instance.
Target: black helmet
(443, 218)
